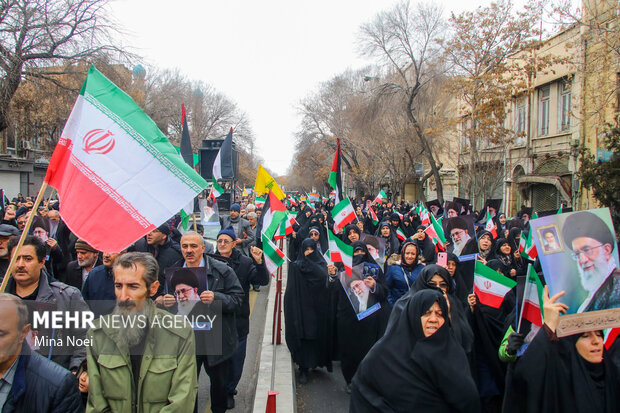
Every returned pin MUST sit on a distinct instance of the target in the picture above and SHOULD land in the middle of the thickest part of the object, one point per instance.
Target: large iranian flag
(490, 286)
(116, 174)
(380, 197)
(274, 257)
(339, 251)
(531, 305)
(343, 213)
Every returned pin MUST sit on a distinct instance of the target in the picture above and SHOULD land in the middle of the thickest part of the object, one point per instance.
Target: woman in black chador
(417, 366)
(568, 374)
(305, 310)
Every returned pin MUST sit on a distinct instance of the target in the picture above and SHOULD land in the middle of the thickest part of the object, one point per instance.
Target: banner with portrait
(186, 284)
(461, 234)
(376, 247)
(358, 292)
(578, 253)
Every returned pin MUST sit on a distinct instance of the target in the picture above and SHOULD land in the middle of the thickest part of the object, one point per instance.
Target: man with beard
(98, 289)
(213, 351)
(6, 233)
(358, 294)
(77, 271)
(31, 282)
(241, 226)
(593, 243)
(53, 257)
(150, 367)
(462, 243)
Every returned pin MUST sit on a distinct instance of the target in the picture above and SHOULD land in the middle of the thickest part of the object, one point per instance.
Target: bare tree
(404, 40)
(37, 38)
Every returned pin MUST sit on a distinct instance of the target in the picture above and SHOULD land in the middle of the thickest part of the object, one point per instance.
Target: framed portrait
(550, 240)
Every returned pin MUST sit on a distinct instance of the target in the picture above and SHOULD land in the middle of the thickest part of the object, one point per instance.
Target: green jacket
(168, 380)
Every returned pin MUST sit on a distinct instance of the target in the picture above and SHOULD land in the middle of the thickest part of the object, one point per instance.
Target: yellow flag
(245, 191)
(264, 183)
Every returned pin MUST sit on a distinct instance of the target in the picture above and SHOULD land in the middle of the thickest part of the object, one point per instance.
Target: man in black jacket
(165, 251)
(250, 271)
(28, 381)
(77, 271)
(225, 290)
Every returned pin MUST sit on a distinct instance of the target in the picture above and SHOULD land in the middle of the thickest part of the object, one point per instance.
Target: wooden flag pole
(50, 197)
(194, 219)
(23, 236)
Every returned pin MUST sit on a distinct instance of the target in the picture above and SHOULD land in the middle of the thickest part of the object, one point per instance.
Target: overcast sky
(264, 55)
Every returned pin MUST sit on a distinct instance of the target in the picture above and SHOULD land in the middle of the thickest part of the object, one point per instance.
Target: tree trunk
(8, 87)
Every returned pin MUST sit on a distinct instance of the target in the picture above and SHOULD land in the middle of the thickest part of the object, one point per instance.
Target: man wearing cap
(462, 243)
(6, 233)
(593, 243)
(78, 270)
(241, 226)
(163, 248)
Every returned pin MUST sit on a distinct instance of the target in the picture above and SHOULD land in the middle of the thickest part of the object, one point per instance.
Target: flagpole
(22, 237)
(525, 291)
(194, 219)
(51, 195)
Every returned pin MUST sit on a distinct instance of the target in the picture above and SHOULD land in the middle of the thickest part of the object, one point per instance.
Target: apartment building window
(520, 121)
(464, 133)
(544, 95)
(564, 106)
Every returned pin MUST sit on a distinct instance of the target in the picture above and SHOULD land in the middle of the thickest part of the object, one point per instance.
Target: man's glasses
(223, 241)
(183, 291)
(587, 251)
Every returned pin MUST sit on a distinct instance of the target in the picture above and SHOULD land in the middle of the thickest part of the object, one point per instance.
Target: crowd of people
(409, 333)
(432, 345)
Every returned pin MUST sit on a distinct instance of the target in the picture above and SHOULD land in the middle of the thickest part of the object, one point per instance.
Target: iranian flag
(379, 198)
(490, 286)
(610, 336)
(335, 177)
(490, 226)
(343, 213)
(400, 234)
(217, 190)
(425, 216)
(274, 257)
(373, 216)
(274, 212)
(116, 173)
(532, 299)
(435, 232)
(286, 227)
(527, 248)
(259, 202)
(339, 251)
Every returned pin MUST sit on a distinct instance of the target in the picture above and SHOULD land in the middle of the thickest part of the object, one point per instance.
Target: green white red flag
(531, 306)
(114, 169)
(373, 216)
(339, 251)
(490, 226)
(259, 202)
(343, 213)
(273, 213)
(335, 176)
(286, 226)
(490, 286)
(610, 336)
(216, 188)
(435, 232)
(527, 247)
(400, 234)
(274, 257)
(380, 197)
(425, 216)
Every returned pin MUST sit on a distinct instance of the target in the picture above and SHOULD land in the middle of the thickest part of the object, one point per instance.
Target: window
(520, 121)
(543, 110)
(464, 134)
(564, 105)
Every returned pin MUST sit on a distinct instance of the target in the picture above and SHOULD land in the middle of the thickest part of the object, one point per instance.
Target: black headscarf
(347, 230)
(392, 244)
(552, 377)
(487, 254)
(460, 287)
(407, 371)
(361, 258)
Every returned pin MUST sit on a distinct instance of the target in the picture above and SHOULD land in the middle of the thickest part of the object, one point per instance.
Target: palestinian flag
(400, 234)
(113, 155)
(339, 251)
(490, 286)
(490, 226)
(343, 213)
(531, 307)
(217, 189)
(259, 202)
(335, 176)
(527, 247)
(274, 258)
(379, 198)
(274, 212)
(435, 232)
(223, 164)
(286, 227)
(373, 216)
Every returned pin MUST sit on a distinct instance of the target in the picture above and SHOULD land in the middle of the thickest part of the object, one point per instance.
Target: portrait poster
(186, 284)
(361, 298)
(461, 235)
(376, 247)
(209, 212)
(578, 253)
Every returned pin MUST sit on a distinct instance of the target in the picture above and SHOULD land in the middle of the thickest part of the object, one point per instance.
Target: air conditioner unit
(25, 145)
